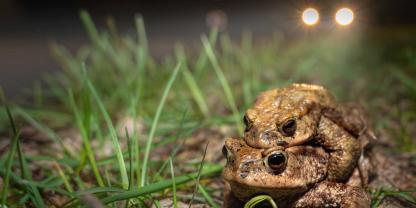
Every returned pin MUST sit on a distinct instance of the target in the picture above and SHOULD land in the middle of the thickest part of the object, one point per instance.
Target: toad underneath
(301, 113)
(293, 177)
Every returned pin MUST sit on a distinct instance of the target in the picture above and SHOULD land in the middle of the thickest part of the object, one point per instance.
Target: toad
(302, 113)
(294, 177)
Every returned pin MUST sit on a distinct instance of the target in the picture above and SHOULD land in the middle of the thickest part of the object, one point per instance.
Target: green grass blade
(159, 186)
(257, 199)
(155, 121)
(198, 178)
(112, 131)
(172, 172)
(84, 134)
(49, 132)
(141, 57)
(177, 148)
(30, 187)
(97, 190)
(129, 147)
(142, 37)
(202, 59)
(141, 61)
(224, 83)
(63, 177)
(9, 159)
(23, 168)
(207, 197)
(191, 82)
(90, 27)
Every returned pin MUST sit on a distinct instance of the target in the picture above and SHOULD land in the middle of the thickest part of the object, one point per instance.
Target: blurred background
(28, 27)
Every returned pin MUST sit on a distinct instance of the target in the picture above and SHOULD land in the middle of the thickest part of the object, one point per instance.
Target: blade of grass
(129, 147)
(172, 172)
(201, 165)
(159, 186)
(207, 197)
(136, 151)
(224, 83)
(32, 187)
(130, 158)
(49, 132)
(84, 128)
(97, 190)
(107, 177)
(111, 129)
(90, 27)
(135, 139)
(24, 199)
(9, 159)
(141, 61)
(202, 59)
(142, 37)
(157, 203)
(191, 82)
(63, 177)
(257, 199)
(29, 185)
(176, 149)
(23, 168)
(112, 27)
(155, 121)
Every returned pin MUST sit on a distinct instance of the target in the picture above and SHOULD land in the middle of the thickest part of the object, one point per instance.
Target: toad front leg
(331, 194)
(344, 149)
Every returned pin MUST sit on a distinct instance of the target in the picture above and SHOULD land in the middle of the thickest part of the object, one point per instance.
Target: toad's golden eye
(288, 128)
(276, 161)
(247, 123)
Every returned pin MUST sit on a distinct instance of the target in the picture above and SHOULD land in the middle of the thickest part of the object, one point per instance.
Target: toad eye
(276, 161)
(288, 128)
(247, 123)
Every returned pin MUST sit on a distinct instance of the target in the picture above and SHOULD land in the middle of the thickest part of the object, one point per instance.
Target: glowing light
(344, 16)
(310, 16)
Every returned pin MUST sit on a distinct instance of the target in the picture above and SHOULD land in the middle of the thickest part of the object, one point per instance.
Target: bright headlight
(344, 16)
(310, 16)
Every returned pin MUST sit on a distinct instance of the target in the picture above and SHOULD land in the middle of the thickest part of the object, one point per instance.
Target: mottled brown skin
(300, 113)
(301, 182)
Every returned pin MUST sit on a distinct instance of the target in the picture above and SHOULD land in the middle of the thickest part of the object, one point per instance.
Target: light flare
(310, 16)
(344, 16)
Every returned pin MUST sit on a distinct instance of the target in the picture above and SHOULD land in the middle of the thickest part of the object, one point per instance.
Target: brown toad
(293, 177)
(301, 113)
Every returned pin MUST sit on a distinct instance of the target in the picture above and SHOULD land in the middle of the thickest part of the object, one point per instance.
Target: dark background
(27, 27)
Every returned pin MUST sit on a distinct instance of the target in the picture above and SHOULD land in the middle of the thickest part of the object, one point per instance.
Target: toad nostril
(253, 134)
(281, 143)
